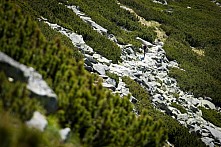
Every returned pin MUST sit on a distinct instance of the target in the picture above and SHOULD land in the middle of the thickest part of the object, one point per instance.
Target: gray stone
(112, 38)
(205, 134)
(64, 133)
(38, 121)
(87, 62)
(183, 117)
(88, 20)
(100, 68)
(35, 83)
(90, 59)
(109, 86)
(104, 60)
(134, 100)
(207, 104)
(88, 68)
(208, 141)
(111, 81)
(173, 64)
(129, 50)
(191, 121)
(216, 133)
(144, 41)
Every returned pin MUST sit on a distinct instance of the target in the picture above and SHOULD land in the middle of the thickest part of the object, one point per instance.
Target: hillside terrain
(73, 73)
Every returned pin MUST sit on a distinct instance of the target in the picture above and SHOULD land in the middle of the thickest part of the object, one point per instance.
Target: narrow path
(161, 35)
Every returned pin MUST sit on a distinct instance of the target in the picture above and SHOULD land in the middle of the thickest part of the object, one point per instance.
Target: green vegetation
(97, 117)
(140, 93)
(212, 116)
(197, 27)
(15, 99)
(118, 21)
(177, 134)
(94, 115)
(59, 14)
(60, 39)
(179, 107)
(113, 76)
(13, 133)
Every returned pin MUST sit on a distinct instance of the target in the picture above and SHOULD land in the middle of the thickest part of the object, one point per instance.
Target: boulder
(112, 38)
(38, 121)
(133, 100)
(215, 132)
(91, 59)
(104, 60)
(111, 81)
(64, 133)
(206, 104)
(208, 141)
(183, 117)
(129, 50)
(100, 68)
(88, 68)
(109, 86)
(87, 62)
(144, 42)
(35, 83)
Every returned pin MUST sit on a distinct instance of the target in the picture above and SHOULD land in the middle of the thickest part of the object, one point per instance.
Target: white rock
(207, 104)
(64, 133)
(208, 141)
(183, 117)
(34, 80)
(216, 134)
(38, 121)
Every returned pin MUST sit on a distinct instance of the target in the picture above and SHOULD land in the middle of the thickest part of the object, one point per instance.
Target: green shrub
(179, 107)
(110, 120)
(212, 116)
(140, 93)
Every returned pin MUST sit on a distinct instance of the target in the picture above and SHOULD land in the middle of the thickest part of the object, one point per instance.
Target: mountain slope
(125, 27)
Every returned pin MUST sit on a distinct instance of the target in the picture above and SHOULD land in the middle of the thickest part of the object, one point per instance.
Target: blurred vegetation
(15, 98)
(199, 27)
(94, 115)
(14, 133)
(178, 135)
(212, 116)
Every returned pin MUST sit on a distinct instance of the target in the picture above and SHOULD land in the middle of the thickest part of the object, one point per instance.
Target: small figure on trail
(145, 50)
